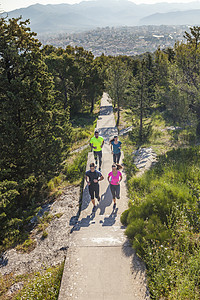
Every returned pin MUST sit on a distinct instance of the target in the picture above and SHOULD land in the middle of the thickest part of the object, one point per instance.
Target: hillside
(190, 17)
(91, 14)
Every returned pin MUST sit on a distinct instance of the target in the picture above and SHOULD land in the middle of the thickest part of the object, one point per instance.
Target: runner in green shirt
(96, 143)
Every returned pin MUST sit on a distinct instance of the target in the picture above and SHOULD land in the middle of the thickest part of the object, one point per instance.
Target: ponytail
(119, 167)
(112, 140)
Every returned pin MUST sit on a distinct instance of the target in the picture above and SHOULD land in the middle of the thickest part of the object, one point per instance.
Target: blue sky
(7, 5)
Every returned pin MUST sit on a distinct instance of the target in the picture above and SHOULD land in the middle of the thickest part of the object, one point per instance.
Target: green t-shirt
(96, 142)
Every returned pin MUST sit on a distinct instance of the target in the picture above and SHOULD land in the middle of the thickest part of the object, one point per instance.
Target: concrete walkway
(100, 263)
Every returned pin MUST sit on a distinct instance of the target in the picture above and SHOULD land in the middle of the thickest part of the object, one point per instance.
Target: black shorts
(115, 190)
(94, 190)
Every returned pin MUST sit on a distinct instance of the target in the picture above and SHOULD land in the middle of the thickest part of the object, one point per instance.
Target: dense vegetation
(163, 218)
(163, 223)
(47, 100)
(42, 93)
(166, 81)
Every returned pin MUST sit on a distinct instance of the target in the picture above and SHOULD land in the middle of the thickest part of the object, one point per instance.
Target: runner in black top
(93, 177)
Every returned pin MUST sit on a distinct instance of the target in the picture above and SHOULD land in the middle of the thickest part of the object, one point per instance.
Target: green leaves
(76, 76)
(8, 193)
(163, 223)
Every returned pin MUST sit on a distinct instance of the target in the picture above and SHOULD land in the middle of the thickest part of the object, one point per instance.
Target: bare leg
(93, 201)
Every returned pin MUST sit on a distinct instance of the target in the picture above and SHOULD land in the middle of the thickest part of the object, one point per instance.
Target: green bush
(76, 169)
(80, 134)
(128, 162)
(27, 246)
(163, 223)
(43, 286)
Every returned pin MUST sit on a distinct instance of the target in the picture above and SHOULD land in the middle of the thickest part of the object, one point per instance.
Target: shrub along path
(100, 263)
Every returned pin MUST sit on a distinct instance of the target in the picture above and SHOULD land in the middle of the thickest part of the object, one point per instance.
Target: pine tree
(33, 129)
(142, 94)
(117, 82)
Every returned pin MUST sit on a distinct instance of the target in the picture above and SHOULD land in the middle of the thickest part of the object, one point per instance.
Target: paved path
(100, 263)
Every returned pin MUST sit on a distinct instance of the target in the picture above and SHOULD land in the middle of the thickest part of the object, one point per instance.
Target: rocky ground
(144, 158)
(51, 250)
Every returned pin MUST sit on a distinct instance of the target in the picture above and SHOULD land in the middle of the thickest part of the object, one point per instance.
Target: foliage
(43, 286)
(163, 223)
(129, 165)
(117, 81)
(75, 169)
(35, 129)
(77, 77)
(27, 246)
(141, 96)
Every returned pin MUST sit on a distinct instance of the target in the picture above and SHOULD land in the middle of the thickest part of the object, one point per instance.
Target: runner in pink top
(114, 178)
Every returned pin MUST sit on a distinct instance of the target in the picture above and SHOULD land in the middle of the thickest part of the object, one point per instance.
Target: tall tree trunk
(118, 112)
(141, 107)
(141, 117)
(92, 104)
(65, 94)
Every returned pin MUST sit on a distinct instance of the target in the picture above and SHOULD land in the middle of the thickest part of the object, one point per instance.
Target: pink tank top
(114, 179)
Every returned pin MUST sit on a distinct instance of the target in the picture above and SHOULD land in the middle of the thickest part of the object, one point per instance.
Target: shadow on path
(106, 200)
(109, 221)
(108, 132)
(106, 110)
(86, 198)
(84, 222)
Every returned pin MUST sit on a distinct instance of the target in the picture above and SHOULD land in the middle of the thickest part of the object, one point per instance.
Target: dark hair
(92, 165)
(96, 131)
(119, 167)
(112, 140)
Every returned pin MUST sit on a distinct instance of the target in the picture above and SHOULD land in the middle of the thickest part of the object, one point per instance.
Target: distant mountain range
(188, 17)
(88, 15)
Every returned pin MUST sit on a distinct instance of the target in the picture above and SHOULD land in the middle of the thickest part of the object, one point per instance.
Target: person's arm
(102, 144)
(87, 180)
(91, 145)
(111, 147)
(108, 178)
(101, 178)
(120, 179)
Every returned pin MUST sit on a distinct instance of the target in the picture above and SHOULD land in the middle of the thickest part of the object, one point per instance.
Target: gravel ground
(51, 250)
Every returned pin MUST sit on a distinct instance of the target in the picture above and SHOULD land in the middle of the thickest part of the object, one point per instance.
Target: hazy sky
(7, 5)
